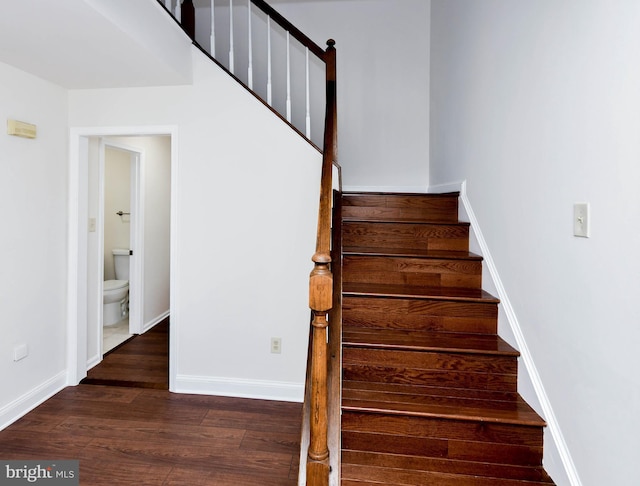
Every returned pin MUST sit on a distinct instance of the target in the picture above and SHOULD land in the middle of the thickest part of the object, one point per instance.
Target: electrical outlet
(276, 345)
(581, 220)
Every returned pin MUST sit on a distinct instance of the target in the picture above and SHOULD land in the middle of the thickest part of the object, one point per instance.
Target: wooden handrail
(321, 292)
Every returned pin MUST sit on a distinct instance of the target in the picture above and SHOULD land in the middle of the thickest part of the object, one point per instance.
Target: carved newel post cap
(331, 43)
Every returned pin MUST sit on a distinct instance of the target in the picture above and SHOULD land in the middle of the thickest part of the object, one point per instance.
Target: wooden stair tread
(516, 412)
(414, 253)
(358, 474)
(433, 195)
(434, 293)
(451, 342)
(400, 220)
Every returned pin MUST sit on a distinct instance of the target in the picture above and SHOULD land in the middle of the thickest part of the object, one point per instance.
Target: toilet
(116, 292)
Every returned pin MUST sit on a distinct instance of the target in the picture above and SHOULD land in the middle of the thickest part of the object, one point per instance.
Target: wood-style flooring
(142, 362)
(132, 435)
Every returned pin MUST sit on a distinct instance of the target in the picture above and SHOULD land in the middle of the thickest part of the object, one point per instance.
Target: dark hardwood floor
(142, 361)
(136, 435)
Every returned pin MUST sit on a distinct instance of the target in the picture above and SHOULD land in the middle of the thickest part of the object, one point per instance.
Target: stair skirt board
(531, 372)
(240, 388)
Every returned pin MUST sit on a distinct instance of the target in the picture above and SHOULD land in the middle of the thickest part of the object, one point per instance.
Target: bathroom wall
(117, 197)
(155, 175)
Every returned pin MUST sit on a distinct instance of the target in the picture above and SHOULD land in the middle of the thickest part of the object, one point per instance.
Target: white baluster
(250, 68)
(212, 45)
(288, 79)
(269, 60)
(231, 62)
(167, 4)
(308, 119)
(178, 13)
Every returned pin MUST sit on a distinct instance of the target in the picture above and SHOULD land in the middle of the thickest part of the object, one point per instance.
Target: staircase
(429, 391)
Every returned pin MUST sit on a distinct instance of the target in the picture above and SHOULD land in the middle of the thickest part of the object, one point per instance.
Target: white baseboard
(409, 189)
(148, 325)
(442, 188)
(235, 387)
(30, 400)
(94, 361)
(547, 411)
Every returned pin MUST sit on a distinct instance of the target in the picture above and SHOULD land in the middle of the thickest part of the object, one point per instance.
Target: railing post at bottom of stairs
(320, 302)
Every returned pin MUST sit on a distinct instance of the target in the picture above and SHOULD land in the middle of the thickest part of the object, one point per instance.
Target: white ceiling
(85, 43)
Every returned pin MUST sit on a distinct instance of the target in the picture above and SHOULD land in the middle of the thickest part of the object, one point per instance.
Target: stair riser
(406, 236)
(443, 428)
(412, 271)
(430, 360)
(443, 466)
(356, 475)
(411, 376)
(412, 314)
(391, 207)
(443, 448)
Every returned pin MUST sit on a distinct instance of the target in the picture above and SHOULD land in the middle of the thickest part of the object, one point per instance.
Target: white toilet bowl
(115, 301)
(115, 293)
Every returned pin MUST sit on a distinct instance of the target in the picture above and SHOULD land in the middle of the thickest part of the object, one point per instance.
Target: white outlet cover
(276, 345)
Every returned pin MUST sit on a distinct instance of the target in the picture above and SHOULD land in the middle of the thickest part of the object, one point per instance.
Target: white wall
(117, 197)
(536, 105)
(383, 69)
(246, 203)
(157, 226)
(33, 198)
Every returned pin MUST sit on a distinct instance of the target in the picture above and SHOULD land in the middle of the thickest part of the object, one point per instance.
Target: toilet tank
(121, 262)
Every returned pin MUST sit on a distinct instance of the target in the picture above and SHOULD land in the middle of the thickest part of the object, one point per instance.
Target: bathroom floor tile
(114, 335)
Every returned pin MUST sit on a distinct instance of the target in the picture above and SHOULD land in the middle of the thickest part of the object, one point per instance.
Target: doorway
(120, 249)
(152, 262)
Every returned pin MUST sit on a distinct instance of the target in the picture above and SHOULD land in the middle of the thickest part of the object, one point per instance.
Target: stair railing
(321, 288)
(265, 52)
(322, 291)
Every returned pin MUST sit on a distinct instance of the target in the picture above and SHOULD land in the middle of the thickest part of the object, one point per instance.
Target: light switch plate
(581, 220)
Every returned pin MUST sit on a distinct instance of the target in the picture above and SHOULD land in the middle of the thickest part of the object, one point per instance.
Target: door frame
(77, 268)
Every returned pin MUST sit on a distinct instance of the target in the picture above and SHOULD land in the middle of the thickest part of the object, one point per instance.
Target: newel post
(320, 302)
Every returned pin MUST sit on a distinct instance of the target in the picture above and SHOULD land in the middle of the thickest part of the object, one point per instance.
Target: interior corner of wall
(531, 378)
